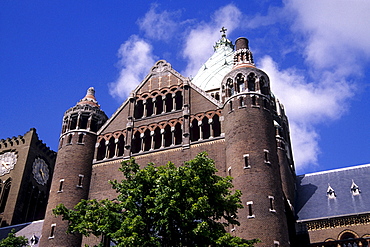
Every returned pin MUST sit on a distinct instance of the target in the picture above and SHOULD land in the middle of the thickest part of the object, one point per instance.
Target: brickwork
(20, 206)
(72, 175)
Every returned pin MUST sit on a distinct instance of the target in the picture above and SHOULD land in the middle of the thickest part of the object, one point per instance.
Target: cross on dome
(223, 31)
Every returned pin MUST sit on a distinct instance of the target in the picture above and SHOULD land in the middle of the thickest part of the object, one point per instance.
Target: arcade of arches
(161, 135)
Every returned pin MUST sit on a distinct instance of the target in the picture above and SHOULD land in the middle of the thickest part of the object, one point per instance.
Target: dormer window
(330, 192)
(355, 189)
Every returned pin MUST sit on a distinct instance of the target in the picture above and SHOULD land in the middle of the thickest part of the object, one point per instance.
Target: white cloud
(307, 104)
(337, 32)
(159, 25)
(202, 37)
(136, 58)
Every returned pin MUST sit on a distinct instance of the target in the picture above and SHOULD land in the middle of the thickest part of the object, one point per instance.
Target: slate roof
(313, 201)
(29, 230)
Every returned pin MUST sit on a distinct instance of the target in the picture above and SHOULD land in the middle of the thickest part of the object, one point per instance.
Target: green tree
(13, 241)
(163, 206)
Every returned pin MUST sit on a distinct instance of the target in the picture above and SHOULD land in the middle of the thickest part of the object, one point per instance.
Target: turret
(71, 180)
(251, 151)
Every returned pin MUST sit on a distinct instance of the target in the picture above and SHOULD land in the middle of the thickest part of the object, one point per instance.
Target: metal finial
(223, 31)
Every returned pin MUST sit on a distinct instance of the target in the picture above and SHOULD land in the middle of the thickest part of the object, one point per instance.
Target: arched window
(194, 131)
(263, 86)
(157, 138)
(159, 104)
(101, 150)
(251, 82)
(217, 96)
(139, 109)
(205, 128)
(167, 136)
(121, 145)
(240, 82)
(216, 126)
(230, 87)
(147, 140)
(111, 147)
(348, 234)
(178, 100)
(136, 143)
(73, 123)
(5, 194)
(94, 125)
(178, 134)
(83, 121)
(169, 102)
(149, 107)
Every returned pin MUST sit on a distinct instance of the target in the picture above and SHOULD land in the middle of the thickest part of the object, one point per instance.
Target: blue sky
(317, 54)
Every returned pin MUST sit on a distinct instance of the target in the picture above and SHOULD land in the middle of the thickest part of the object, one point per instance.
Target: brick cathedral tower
(250, 114)
(72, 173)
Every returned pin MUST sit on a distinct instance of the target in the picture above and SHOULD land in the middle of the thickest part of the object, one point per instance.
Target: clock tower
(71, 179)
(26, 168)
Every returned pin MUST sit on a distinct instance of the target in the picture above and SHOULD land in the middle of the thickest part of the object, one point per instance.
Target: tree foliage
(13, 241)
(163, 206)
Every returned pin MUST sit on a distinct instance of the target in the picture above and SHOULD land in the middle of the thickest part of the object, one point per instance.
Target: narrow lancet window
(250, 211)
(61, 185)
(246, 161)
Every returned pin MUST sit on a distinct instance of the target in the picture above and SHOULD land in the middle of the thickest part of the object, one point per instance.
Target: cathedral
(227, 110)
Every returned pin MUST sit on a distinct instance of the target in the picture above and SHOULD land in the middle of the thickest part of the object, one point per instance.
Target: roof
(333, 193)
(210, 75)
(30, 230)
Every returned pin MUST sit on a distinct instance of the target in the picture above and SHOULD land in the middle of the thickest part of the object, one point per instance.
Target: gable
(161, 82)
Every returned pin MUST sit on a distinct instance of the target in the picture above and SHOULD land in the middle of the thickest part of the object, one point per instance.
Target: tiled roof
(315, 198)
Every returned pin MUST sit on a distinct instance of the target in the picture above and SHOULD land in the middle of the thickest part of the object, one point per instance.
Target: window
(52, 230)
(267, 156)
(229, 171)
(272, 202)
(254, 100)
(241, 102)
(246, 161)
(355, 189)
(330, 192)
(250, 211)
(80, 138)
(230, 106)
(61, 185)
(69, 140)
(276, 243)
(80, 180)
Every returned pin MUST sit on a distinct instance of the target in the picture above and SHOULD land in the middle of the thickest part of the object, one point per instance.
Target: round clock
(40, 171)
(7, 161)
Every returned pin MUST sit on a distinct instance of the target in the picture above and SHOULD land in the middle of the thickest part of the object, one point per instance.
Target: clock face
(7, 161)
(40, 171)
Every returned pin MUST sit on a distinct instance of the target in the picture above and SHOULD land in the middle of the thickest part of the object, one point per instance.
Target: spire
(243, 56)
(223, 41)
(89, 98)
